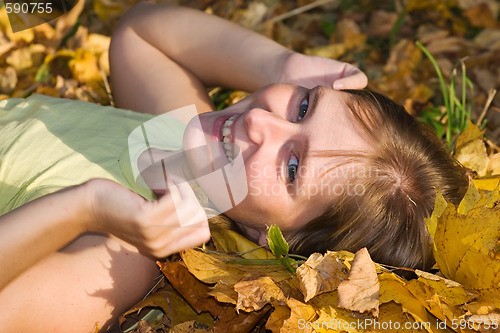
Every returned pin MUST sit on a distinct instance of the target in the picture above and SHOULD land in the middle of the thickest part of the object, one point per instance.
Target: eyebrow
(318, 93)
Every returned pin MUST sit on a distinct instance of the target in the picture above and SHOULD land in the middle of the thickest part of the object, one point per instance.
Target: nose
(264, 126)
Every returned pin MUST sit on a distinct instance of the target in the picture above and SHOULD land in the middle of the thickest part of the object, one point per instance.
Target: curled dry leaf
(321, 274)
(254, 293)
(360, 292)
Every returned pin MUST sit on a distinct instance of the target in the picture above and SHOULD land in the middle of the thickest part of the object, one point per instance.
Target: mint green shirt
(47, 144)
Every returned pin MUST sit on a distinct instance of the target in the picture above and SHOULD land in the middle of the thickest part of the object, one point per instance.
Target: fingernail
(338, 85)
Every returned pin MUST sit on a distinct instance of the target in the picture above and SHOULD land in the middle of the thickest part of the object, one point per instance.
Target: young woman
(334, 169)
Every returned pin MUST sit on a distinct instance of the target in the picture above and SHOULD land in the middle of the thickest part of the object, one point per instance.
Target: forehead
(333, 125)
(333, 135)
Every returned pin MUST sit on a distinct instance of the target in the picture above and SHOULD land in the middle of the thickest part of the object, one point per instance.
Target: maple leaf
(466, 240)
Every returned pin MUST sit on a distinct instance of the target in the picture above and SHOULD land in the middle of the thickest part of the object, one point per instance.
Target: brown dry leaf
(405, 57)
(5, 45)
(381, 23)
(448, 45)
(481, 16)
(8, 80)
(349, 33)
(199, 296)
(320, 274)
(254, 293)
(488, 39)
(174, 306)
(224, 293)
(27, 58)
(194, 292)
(360, 292)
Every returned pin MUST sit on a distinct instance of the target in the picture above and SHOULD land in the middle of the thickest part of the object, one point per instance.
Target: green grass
(456, 112)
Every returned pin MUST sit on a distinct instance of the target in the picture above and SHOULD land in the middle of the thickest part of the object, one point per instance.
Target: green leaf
(276, 242)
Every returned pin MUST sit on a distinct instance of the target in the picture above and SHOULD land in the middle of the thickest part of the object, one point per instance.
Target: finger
(184, 238)
(187, 207)
(355, 80)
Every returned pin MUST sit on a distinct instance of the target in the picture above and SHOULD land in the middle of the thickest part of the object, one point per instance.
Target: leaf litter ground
(211, 289)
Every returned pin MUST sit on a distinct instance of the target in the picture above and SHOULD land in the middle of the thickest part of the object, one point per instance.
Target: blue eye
(304, 105)
(293, 165)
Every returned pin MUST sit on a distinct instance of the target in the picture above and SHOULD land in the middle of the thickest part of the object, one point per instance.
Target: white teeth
(225, 131)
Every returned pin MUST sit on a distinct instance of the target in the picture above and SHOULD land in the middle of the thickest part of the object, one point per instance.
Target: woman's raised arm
(163, 58)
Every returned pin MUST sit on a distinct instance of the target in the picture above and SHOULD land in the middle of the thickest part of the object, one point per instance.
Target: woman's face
(277, 129)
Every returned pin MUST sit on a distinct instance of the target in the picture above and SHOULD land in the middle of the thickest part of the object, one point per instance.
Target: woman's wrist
(281, 65)
(92, 212)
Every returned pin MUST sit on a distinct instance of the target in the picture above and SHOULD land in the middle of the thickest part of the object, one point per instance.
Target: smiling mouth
(226, 139)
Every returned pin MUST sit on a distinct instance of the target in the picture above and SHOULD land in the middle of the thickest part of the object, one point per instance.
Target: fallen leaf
(211, 268)
(470, 150)
(84, 67)
(174, 306)
(277, 318)
(300, 312)
(393, 289)
(488, 39)
(320, 274)
(381, 23)
(8, 80)
(360, 292)
(465, 244)
(229, 241)
(254, 293)
(481, 16)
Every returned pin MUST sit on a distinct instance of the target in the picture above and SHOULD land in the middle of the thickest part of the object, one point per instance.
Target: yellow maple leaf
(466, 240)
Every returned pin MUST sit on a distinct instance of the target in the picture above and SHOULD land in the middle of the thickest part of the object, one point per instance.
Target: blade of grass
(443, 89)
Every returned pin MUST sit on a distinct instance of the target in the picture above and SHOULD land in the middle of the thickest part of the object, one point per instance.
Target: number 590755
(28, 8)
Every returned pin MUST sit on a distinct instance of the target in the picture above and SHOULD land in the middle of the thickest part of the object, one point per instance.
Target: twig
(107, 87)
(491, 95)
(492, 145)
(299, 10)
